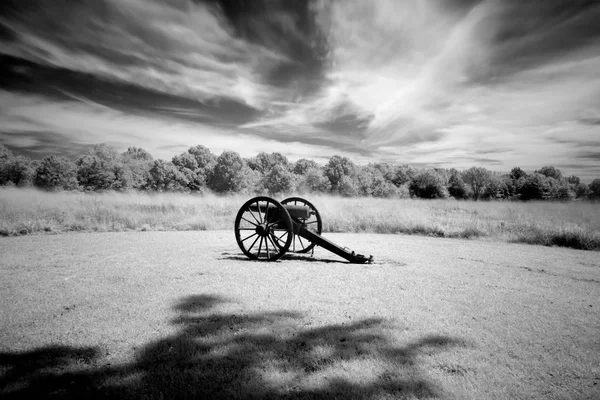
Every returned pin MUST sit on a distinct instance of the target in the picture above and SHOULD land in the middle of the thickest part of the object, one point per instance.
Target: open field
(185, 315)
(574, 224)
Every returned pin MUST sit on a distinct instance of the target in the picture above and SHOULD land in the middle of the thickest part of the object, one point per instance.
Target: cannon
(265, 229)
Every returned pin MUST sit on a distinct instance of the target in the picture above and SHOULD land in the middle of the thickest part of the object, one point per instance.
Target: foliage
(303, 165)
(228, 174)
(279, 179)
(337, 170)
(164, 176)
(56, 173)
(264, 162)
(477, 178)
(314, 181)
(535, 187)
(550, 172)
(429, 184)
(517, 173)
(594, 189)
(456, 186)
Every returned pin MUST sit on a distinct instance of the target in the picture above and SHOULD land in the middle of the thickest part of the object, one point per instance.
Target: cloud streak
(453, 83)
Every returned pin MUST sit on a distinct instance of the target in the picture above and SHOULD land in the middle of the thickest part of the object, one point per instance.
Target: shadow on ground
(287, 256)
(222, 355)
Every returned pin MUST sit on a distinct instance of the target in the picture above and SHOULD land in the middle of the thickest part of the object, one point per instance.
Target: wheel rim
(302, 245)
(263, 229)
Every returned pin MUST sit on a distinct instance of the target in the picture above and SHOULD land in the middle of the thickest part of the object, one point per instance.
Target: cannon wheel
(301, 245)
(263, 229)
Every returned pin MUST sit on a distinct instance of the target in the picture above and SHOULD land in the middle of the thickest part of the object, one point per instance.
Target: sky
(429, 83)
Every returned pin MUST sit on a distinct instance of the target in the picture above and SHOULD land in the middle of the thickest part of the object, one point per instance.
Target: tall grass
(571, 224)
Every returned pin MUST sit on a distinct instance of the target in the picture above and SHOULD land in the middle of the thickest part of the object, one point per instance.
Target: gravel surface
(527, 314)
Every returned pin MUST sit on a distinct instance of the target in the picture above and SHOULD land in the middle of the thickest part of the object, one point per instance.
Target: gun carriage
(266, 229)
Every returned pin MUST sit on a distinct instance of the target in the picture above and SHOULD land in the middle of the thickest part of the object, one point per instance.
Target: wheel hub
(263, 230)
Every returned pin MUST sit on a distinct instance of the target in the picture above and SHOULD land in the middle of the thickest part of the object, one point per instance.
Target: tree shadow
(230, 355)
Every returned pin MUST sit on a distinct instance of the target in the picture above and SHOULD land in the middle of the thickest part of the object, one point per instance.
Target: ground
(153, 314)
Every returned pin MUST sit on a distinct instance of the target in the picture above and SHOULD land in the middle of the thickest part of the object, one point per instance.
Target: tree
(137, 153)
(227, 175)
(314, 181)
(302, 166)
(535, 187)
(279, 179)
(456, 186)
(95, 173)
(186, 164)
(550, 172)
(6, 159)
(138, 163)
(204, 158)
(336, 169)
(517, 173)
(594, 189)
(21, 171)
(477, 178)
(429, 184)
(263, 162)
(56, 173)
(165, 177)
(403, 174)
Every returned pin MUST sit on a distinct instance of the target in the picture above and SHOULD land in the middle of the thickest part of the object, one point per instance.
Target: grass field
(161, 315)
(569, 224)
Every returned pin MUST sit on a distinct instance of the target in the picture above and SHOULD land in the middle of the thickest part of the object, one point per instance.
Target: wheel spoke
(246, 229)
(302, 244)
(259, 247)
(275, 246)
(253, 243)
(253, 216)
(267, 246)
(250, 222)
(312, 222)
(254, 234)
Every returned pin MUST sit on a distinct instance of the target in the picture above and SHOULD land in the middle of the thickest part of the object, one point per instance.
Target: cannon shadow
(287, 256)
(216, 355)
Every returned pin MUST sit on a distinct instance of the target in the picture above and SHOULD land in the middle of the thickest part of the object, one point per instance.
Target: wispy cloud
(453, 83)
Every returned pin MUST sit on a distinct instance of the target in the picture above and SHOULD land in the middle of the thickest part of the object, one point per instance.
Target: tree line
(199, 170)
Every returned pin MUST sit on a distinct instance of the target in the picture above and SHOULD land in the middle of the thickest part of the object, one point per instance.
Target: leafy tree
(137, 162)
(381, 187)
(279, 179)
(186, 164)
(456, 186)
(227, 175)
(165, 177)
(550, 172)
(204, 158)
(263, 162)
(581, 190)
(594, 189)
(574, 180)
(477, 178)
(561, 189)
(429, 184)
(56, 173)
(6, 160)
(517, 173)
(496, 188)
(535, 187)
(137, 153)
(95, 172)
(314, 181)
(21, 171)
(337, 169)
(403, 174)
(302, 166)
(347, 186)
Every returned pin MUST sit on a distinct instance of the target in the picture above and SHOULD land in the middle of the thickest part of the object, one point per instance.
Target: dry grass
(161, 315)
(575, 224)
